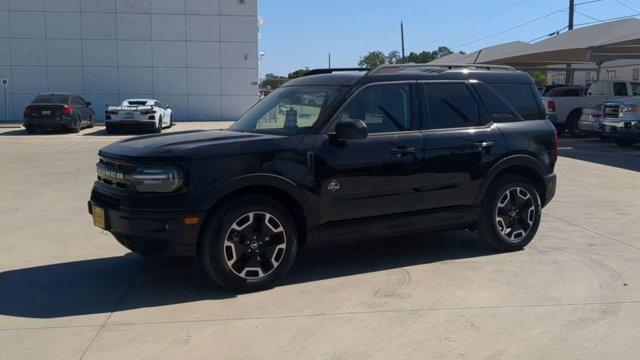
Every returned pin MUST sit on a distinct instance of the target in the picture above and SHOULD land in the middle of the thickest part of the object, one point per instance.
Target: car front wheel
(249, 245)
(511, 214)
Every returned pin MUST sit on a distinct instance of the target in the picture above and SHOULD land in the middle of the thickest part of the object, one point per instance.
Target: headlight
(157, 179)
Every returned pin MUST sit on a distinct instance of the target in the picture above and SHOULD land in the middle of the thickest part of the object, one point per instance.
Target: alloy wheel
(255, 245)
(516, 214)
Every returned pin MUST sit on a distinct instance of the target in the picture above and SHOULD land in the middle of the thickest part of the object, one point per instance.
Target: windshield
(290, 110)
(51, 99)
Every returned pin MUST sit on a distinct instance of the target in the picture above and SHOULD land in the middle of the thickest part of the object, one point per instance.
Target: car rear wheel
(511, 214)
(76, 126)
(249, 245)
(573, 124)
(158, 128)
(30, 130)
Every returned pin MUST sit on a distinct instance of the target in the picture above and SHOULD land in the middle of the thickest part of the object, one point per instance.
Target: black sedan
(58, 111)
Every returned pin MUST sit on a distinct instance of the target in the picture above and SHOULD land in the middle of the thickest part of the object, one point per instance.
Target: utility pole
(329, 60)
(402, 38)
(572, 9)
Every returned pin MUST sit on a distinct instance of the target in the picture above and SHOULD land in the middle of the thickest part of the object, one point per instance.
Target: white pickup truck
(565, 112)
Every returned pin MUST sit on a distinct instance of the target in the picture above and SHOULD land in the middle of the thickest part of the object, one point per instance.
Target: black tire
(30, 130)
(490, 230)
(221, 242)
(561, 129)
(92, 122)
(76, 126)
(573, 124)
(158, 128)
(109, 129)
(625, 142)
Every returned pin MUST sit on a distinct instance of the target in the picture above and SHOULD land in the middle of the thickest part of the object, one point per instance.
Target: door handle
(484, 145)
(402, 151)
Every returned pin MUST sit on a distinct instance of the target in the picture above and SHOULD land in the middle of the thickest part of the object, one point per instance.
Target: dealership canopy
(597, 44)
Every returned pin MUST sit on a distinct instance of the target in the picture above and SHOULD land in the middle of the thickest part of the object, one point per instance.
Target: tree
(373, 59)
(272, 81)
(441, 52)
(394, 57)
(420, 58)
(540, 77)
(298, 73)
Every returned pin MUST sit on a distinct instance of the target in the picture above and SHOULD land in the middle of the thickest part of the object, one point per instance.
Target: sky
(301, 33)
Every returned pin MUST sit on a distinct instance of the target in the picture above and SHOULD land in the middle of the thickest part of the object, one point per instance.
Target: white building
(628, 70)
(198, 56)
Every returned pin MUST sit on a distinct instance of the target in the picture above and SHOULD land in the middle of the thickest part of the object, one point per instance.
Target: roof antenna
(477, 56)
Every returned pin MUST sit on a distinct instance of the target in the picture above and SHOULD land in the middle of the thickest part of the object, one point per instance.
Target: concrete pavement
(69, 291)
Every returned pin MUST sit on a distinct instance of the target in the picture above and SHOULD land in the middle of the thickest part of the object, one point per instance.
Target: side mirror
(88, 103)
(351, 130)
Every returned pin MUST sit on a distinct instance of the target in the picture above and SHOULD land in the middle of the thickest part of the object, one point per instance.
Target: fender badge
(334, 185)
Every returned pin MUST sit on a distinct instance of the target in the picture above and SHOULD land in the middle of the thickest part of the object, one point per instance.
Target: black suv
(398, 149)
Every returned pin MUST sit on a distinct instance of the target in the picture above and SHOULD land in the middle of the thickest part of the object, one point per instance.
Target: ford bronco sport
(397, 149)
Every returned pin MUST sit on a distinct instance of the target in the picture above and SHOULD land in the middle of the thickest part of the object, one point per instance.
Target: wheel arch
(520, 165)
(286, 192)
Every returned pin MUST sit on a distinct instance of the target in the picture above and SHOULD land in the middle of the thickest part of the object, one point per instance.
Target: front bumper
(153, 234)
(124, 125)
(624, 129)
(550, 182)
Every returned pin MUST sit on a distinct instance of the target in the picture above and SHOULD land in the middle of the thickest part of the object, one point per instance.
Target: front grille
(611, 111)
(114, 173)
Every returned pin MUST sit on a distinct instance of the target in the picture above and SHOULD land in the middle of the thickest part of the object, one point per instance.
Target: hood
(188, 145)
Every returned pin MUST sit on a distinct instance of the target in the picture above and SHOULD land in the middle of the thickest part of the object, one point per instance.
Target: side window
(77, 101)
(384, 108)
(620, 89)
(523, 98)
(499, 109)
(635, 88)
(159, 104)
(451, 106)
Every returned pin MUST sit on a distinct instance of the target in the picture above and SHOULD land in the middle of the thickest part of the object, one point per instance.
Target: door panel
(456, 162)
(380, 175)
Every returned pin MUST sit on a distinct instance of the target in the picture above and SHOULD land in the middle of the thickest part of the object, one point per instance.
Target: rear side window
(51, 99)
(451, 106)
(620, 89)
(523, 98)
(499, 109)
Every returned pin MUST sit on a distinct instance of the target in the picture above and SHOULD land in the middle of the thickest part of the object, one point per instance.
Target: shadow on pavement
(603, 153)
(99, 285)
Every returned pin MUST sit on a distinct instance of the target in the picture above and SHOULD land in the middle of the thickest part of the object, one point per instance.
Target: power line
(472, 25)
(587, 16)
(557, 32)
(627, 6)
(607, 20)
(511, 28)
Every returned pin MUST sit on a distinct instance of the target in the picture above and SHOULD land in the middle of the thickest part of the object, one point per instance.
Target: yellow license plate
(99, 219)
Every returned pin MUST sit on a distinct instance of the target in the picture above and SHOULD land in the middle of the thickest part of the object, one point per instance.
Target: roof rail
(331, 71)
(395, 68)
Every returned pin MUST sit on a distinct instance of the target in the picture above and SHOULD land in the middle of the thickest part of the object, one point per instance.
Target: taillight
(551, 106)
(67, 110)
(555, 145)
(596, 114)
(112, 112)
(29, 111)
(148, 112)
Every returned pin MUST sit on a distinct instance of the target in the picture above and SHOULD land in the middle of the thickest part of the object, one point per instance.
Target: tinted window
(620, 89)
(451, 106)
(159, 104)
(522, 97)
(286, 110)
(384, 108)
(635, 89)
(51, 99)
(498, 108)
(77, 101)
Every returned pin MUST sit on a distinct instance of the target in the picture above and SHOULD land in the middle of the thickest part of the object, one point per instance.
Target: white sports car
(137, 115)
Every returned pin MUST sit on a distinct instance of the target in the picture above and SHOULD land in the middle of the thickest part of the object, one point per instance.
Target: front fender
(265, 182)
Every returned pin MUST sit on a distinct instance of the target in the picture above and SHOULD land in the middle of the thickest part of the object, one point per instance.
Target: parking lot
(69, 291)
